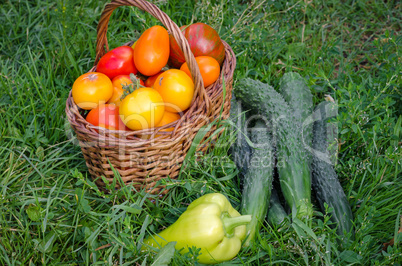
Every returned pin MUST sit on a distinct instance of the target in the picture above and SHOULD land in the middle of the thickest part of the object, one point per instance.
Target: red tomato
(176, 89)
(118, 61)
(203, 40)
(151, 51)
(151, 80)
(142, 109)
(106, 116)
(209, 69)
(118, 83)
(91, 89)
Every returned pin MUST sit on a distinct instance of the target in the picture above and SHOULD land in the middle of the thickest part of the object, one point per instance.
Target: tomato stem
(136, 82)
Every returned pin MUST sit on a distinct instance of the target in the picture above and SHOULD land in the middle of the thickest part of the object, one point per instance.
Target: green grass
(52, 213)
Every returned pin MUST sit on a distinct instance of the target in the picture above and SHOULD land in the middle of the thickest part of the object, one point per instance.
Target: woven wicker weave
(140, 159)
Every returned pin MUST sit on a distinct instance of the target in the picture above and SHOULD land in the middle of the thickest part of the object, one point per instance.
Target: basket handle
(101, 41)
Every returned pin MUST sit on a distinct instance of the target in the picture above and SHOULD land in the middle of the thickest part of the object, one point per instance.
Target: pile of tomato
(148, 84)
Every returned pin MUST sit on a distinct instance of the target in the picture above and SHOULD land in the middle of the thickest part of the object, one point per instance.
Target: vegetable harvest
(300, 152)
(209, 223)
(293, 171)
(280, 149)
(284, 147)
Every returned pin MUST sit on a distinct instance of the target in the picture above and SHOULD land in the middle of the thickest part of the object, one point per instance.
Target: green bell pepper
(209, 223)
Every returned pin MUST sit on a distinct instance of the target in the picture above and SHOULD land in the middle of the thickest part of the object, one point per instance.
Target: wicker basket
(140, 159)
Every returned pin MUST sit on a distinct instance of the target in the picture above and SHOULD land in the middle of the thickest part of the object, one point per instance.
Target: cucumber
(276, 213)
(300, 100)
(324, 178)
(258, 181)
(293, 167)
(241, 151)
(298, 95)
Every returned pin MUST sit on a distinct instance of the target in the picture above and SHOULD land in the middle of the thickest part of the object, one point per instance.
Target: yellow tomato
(176, 89)
(142, 109)
(91, 89)
(118, 83)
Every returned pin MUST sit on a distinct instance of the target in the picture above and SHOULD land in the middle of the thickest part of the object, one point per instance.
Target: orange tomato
(91, 89)
(118, 83)
(106, 116)
(151, 80)
(168, 118)
(142, 109)
(176, 89)
(209, 69)
(151, 51)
